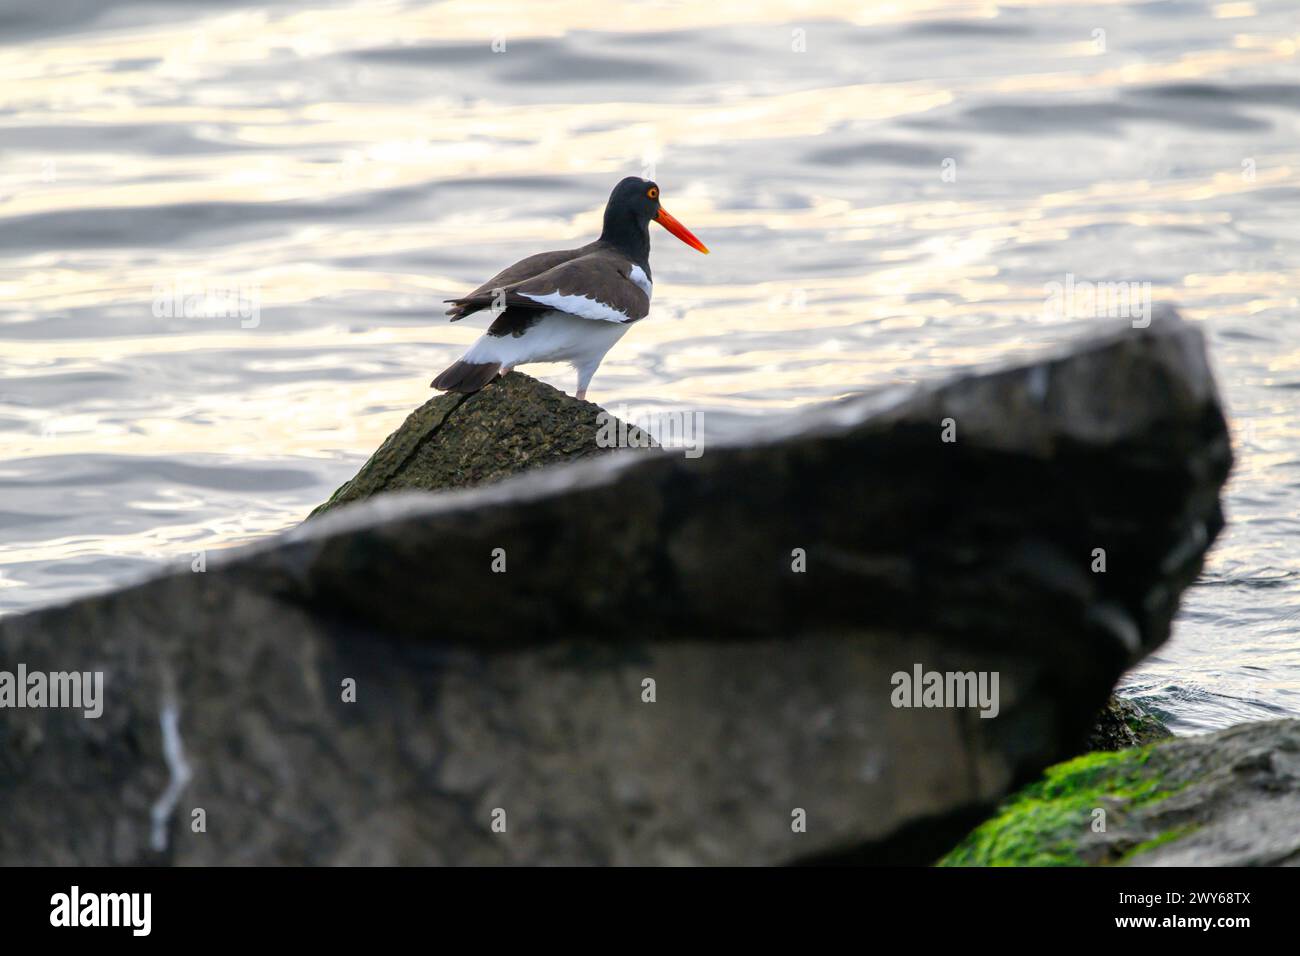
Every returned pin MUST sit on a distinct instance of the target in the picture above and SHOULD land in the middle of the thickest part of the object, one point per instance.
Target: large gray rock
(484, 696)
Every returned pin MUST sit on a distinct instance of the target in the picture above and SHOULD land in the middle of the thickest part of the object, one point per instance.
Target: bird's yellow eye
(653, 192)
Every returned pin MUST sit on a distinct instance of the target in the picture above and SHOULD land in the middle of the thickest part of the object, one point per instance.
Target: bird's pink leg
(584, 379)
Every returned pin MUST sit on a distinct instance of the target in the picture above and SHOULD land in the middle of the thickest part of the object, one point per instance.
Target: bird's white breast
(555, 337)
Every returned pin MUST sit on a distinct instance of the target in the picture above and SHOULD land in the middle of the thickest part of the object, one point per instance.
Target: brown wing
(595, 285)
(523, 269)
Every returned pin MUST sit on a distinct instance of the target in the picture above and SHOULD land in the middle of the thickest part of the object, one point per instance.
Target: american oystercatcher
(569, 306)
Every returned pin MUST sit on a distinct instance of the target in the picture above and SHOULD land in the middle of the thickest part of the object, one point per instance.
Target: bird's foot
(582, 395)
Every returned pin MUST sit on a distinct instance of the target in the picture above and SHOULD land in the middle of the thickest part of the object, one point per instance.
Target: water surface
(887, 190)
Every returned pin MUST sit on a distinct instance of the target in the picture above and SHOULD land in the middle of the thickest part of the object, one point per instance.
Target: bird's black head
(635, 197)
(631, 207)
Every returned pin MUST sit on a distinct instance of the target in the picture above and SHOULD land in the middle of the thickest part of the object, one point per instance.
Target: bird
(568, 306)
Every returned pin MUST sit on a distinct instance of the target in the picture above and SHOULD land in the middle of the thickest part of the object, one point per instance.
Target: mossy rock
(459, 441)
(1224, 799)
(1042, 824)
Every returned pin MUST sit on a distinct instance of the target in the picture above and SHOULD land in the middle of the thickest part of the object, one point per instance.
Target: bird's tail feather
(466, 377)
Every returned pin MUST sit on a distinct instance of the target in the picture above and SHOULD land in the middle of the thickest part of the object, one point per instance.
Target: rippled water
(887, 190)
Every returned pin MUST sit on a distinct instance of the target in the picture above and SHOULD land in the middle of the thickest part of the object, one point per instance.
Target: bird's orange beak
(680, 231)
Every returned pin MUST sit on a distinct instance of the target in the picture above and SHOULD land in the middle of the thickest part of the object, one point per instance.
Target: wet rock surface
(644, 658)
(1124, 723)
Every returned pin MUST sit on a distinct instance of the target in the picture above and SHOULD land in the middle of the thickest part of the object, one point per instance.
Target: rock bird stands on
(569, 306)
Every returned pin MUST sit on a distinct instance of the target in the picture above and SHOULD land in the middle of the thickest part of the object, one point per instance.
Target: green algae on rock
(460, 441)
(1042, 824)
(1230, 798)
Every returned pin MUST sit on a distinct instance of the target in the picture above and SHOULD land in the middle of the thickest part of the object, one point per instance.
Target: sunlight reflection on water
(355, 164)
